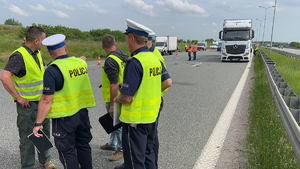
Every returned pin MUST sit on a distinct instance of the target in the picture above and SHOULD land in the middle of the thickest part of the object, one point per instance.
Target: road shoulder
(232, 154)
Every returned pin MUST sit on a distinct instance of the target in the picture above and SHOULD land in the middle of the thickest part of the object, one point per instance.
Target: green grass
(267, 143)
(289, 69)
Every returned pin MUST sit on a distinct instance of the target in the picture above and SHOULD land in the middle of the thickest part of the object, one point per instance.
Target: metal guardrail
(287, 103)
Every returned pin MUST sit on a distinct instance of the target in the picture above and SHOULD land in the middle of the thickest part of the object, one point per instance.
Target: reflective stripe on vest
(30, 86)
(105, 81)
(146, 101)
(160, 58)
(76, 93)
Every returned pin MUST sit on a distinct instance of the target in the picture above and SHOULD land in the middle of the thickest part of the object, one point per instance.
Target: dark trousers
(156, 141)
(189, 53)
(194, 55)
(25, 121)
(138, 146)
(72, 136)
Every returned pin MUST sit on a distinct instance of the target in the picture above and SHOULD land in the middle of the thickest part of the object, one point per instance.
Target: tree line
(75, 34)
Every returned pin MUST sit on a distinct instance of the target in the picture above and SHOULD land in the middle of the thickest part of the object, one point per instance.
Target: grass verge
(268, 145)
(289, 69)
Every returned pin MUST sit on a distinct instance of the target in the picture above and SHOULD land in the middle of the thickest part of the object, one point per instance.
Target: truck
(202, 45)
(213, 45)
(237, 35)
(166, 44)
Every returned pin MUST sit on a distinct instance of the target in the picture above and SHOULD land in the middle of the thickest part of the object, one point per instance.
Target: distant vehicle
(237, 35)
(213, 46)
(219, 46)
(166, 44)
(202, 45)
(280, 47)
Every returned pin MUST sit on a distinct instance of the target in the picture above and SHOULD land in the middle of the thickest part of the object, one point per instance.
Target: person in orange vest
(189, 49)
(195, 48)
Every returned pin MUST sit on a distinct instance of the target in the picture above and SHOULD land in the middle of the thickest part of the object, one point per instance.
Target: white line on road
(197, 64)
(211, 151)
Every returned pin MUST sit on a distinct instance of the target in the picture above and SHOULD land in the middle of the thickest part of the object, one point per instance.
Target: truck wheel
(170, 53)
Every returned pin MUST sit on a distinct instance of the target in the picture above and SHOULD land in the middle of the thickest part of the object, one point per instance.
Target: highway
(192, 106)
(294, 51)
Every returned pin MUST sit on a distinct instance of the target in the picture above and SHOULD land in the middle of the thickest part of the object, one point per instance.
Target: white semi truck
(236, 36)
(166, 44)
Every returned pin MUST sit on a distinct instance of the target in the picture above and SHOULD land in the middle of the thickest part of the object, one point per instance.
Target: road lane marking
(211, 151)
(197, 64)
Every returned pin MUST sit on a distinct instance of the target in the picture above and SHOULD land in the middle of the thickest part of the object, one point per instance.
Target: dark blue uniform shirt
(53, 78)
(133, 73)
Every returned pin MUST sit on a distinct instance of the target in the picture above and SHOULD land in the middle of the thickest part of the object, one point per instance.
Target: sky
(186, 19)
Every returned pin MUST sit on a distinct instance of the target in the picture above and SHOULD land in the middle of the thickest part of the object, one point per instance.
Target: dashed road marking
(197, 64)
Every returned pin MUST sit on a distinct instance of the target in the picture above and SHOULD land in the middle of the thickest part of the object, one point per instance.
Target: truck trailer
(166, 44)
(236, 36)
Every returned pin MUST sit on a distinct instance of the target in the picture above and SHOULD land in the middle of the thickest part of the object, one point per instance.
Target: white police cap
(150, 35)
(54, 41)
(137, 28)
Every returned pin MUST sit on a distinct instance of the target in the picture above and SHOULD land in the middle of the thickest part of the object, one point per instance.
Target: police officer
(142, 84)
(66, 96)
(112, 76)
(22, 77)
(156, 52)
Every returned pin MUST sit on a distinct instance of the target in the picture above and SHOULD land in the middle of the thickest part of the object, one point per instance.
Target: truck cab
(237, 35)
(202, 45)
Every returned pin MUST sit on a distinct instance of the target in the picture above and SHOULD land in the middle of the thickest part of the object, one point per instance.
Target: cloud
(39, 7)
(17, 10)
(60, 14)
(141, 7)
(214, 31)
(182, 6)
(60, 5)
(172, 27)
(214, 24)
(269, 3)
(94, 8)
(205, 24)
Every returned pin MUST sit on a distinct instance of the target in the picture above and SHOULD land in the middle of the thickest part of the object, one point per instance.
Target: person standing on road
(190, 49)
(22, 77)
(142, 84)
(112, 76)
(156, 52)
(67, 94)
(195, 48)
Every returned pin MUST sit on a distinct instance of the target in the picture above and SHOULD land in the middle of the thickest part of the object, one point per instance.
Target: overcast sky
(186, 19)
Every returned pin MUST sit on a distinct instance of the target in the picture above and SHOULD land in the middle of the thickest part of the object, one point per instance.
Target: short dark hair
(140, 39)
(33, 33)
(108, 41)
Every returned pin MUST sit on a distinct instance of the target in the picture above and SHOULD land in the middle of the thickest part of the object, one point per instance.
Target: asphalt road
(192, 106)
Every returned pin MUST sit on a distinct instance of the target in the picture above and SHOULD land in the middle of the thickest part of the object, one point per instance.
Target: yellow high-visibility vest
(30, 86)
(146, 101)
(105, 81)
(76, 92)
(160, 58)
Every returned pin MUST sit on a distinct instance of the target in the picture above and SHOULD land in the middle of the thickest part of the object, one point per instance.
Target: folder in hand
(41, 143)
(107, 123)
